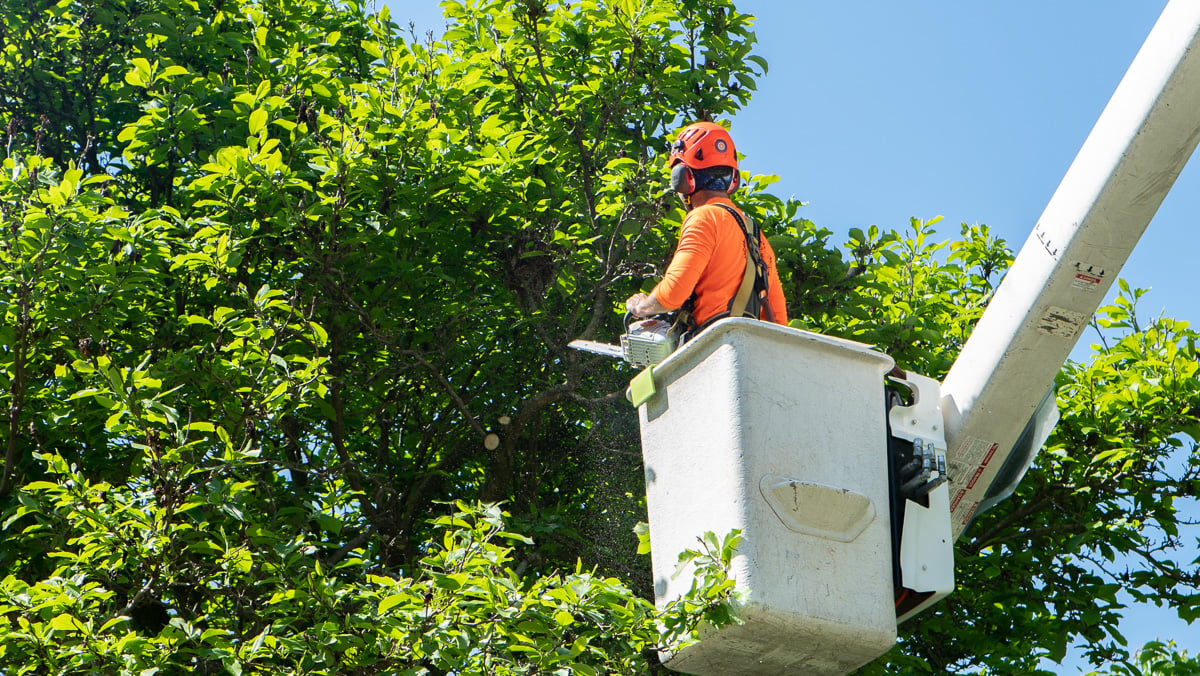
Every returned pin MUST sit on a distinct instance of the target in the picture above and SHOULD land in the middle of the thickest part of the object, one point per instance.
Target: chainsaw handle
(629, 316)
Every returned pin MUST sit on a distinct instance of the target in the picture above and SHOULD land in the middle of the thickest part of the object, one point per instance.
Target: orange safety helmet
(700, 146)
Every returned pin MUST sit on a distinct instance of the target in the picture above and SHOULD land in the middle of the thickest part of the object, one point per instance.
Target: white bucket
(779, 433)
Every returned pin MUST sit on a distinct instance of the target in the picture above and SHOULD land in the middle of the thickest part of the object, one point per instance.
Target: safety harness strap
(740, 305)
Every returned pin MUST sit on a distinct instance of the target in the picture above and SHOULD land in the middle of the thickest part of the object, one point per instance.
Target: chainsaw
(644, 343)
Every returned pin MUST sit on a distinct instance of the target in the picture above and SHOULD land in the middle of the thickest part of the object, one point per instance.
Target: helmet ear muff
(682, 179)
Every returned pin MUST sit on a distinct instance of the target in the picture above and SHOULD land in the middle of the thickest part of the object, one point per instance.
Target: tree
(273, 276)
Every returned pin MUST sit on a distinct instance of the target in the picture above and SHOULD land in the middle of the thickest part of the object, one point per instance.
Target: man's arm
(691, 255)
(774, 286)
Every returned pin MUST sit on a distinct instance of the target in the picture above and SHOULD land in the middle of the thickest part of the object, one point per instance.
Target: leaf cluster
(465, 609)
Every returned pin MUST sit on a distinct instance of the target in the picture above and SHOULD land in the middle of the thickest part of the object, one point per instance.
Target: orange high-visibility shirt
(710, 261)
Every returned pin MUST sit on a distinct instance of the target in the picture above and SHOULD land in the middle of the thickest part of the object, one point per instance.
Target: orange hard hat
(702, 145)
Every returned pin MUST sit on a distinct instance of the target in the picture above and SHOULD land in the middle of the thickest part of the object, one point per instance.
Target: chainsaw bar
(592, 346)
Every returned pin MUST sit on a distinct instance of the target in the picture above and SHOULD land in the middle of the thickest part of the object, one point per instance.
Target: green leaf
(171, 72)
(113, 421)
(113, 622)
(319, 332)
(258, 121)
(371, 48)
(40, 486)
(66, 622)
(642, 530)
(450, 582)
(134, 77)
(241, 560)
(392, 601)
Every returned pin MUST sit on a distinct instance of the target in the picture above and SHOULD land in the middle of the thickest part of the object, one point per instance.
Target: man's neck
(702, 197)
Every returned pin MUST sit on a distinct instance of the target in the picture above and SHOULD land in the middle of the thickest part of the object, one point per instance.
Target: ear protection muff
(733, 184)
(682, 179)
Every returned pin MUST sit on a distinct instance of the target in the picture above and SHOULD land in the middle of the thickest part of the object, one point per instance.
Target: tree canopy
(286, 293)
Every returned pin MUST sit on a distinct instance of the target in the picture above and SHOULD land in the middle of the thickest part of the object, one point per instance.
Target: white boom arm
(994, 399)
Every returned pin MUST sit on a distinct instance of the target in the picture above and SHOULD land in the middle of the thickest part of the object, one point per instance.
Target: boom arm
(997, 398)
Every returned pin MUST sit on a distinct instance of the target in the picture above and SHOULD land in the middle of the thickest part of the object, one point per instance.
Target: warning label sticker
(966, 518)
(1088, 277)
(1086, 282)
(970, 455)
(968, 465)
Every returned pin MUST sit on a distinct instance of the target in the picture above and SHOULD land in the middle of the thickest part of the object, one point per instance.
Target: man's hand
(643, 305)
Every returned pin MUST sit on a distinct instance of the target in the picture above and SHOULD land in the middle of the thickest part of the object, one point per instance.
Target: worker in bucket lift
(723, 266)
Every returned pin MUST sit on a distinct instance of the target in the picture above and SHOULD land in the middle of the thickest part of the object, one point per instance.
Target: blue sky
(875, 111)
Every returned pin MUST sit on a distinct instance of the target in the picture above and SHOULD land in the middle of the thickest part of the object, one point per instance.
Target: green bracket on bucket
(641, 388)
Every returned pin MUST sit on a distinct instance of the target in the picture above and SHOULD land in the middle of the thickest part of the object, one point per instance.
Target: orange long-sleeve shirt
(710, 261)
